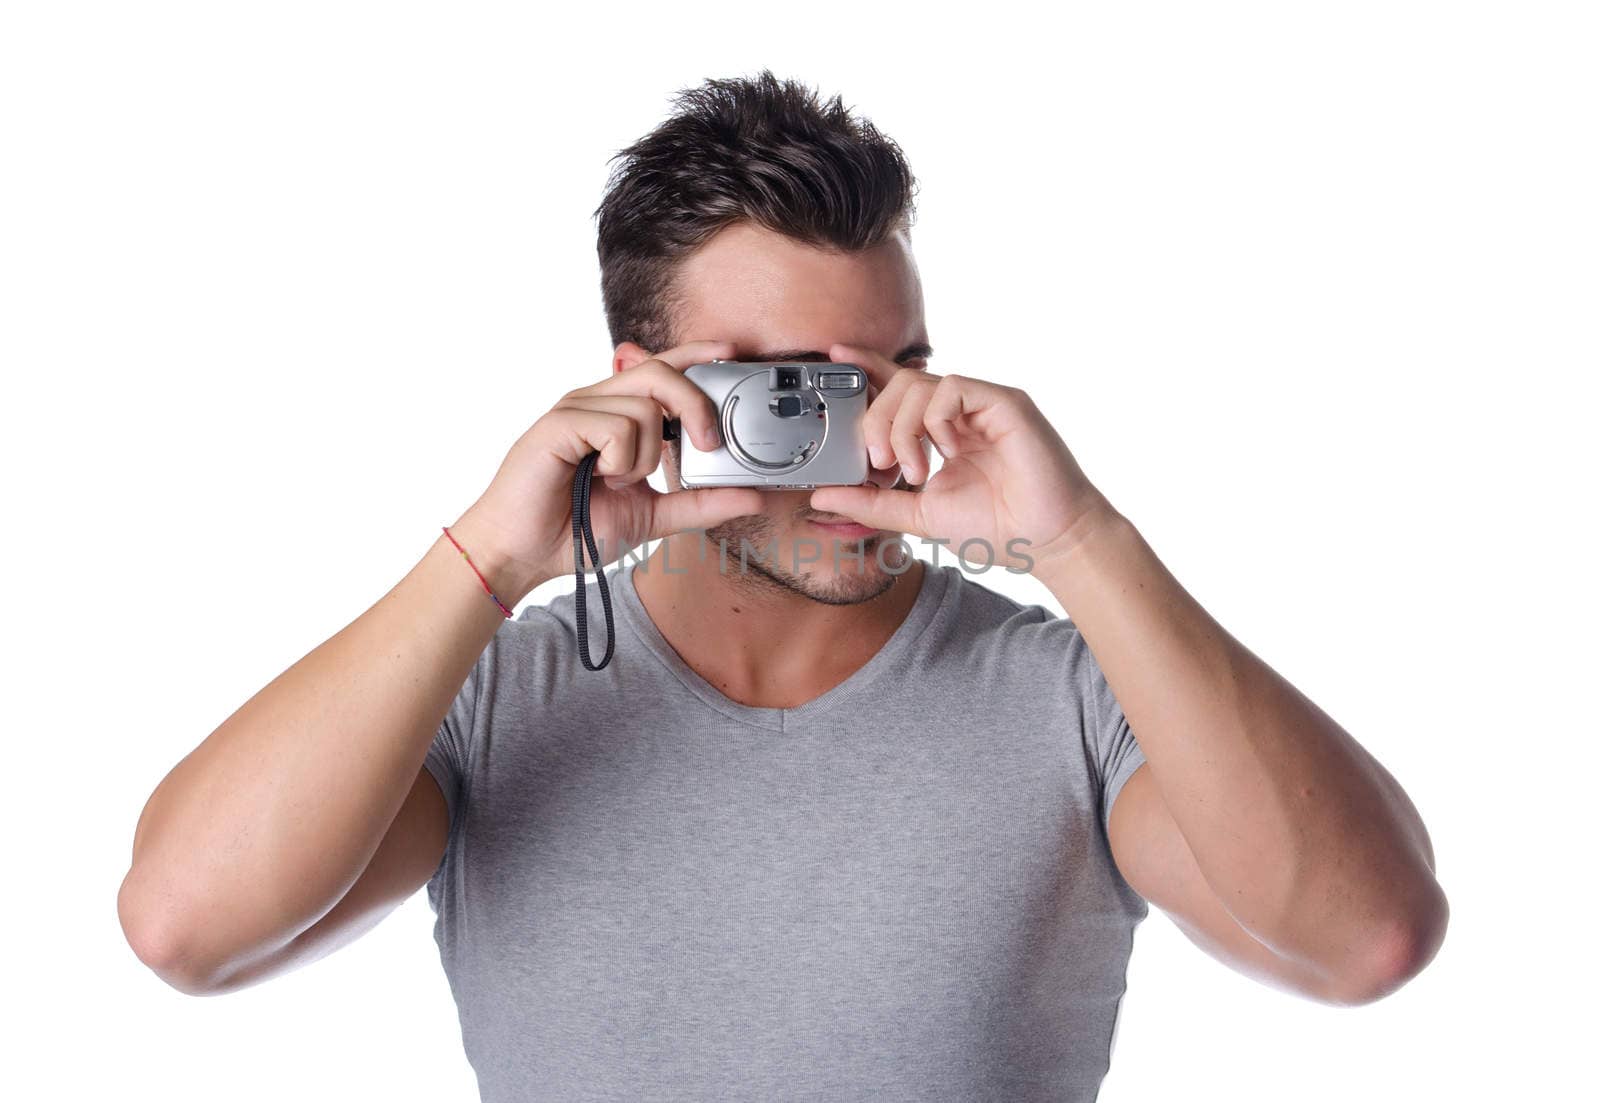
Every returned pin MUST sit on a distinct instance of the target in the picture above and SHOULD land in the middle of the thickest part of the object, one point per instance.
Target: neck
(758, 642)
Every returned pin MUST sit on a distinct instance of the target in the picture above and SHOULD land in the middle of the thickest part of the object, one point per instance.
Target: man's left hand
(1007, 477)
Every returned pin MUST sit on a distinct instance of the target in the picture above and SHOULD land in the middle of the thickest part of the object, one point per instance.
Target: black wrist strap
(583, 535)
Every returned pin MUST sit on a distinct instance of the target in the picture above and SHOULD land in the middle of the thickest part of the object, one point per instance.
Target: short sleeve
(1112, 745)
(447, 755)
(1121, 757)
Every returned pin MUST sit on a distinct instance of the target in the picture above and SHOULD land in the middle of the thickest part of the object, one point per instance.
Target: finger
(687, 404)
(700, 509)
(884, 376)
(884, 476)
(877, 422)
(895, 510)
(615, 436)
(944, 406)
(906, 434)
(646, 413)
(679, 398)
(955, 399)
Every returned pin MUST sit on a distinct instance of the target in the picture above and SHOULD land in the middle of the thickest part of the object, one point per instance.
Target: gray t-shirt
(901, 889)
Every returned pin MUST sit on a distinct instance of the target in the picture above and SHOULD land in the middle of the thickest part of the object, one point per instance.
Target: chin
(836, 578)
(846, 586)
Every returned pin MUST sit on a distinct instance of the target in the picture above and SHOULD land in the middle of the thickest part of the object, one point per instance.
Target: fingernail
(876, 456)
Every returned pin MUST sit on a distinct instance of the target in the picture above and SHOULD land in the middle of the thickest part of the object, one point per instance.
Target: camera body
(784, 425)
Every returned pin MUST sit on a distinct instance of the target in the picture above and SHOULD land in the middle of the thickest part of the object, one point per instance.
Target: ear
(627, 355)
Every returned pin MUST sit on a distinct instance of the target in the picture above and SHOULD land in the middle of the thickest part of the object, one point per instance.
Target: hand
(1007, 475)
(526, 513)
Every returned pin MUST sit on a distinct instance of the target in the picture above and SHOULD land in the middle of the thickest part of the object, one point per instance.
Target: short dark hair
(746, 149)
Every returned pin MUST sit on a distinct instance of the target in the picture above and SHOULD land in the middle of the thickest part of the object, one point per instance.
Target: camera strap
(583, 535)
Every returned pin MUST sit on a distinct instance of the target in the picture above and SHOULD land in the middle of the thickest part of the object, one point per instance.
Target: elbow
(1397, 949)
(158, 940)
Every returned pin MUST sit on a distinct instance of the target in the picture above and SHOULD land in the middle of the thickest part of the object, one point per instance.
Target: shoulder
(550, 628)
(553, 617)
(983, 620)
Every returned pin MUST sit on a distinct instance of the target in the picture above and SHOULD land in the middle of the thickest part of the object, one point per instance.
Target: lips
(842, 526)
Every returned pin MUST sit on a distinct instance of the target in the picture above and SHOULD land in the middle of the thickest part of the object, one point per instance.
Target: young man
(836, 825)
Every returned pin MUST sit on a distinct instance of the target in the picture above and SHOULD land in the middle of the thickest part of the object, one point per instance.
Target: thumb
(677, 510)
(895, 510)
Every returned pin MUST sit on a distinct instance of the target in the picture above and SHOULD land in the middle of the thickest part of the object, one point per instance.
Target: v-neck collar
(935, 586)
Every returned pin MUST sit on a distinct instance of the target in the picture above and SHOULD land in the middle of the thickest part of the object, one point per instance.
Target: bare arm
(1257, 811)
(1156, 860)
(306, 816)
(409, 853)
(1305, 840)
(257, 835)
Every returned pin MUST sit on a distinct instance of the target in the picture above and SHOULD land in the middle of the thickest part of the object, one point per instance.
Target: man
(837, 825)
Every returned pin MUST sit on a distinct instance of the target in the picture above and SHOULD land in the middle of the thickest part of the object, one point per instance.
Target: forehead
(761, 290)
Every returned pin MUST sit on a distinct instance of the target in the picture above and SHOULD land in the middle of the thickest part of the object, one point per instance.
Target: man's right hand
(526, 513)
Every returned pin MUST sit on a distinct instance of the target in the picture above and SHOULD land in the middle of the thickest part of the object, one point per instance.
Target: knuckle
(621, 428)
(555, 417)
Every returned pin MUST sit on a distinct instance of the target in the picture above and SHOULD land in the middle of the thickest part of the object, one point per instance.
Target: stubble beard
(856, 580)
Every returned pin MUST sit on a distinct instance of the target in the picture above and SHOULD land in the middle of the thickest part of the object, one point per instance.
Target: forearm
(1306, 840)
(260, 830)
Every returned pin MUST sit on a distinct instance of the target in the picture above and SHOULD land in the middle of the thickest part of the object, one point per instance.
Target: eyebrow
(916, 350)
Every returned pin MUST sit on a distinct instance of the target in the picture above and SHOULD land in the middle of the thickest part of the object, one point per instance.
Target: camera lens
(789, 405)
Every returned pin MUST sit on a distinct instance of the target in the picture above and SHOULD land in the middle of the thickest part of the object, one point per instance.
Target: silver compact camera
(783, 425)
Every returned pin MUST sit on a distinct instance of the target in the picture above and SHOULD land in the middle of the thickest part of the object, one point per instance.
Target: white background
(1310, 290)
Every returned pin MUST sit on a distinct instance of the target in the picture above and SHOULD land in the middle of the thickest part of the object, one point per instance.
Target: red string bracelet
(468, 558)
